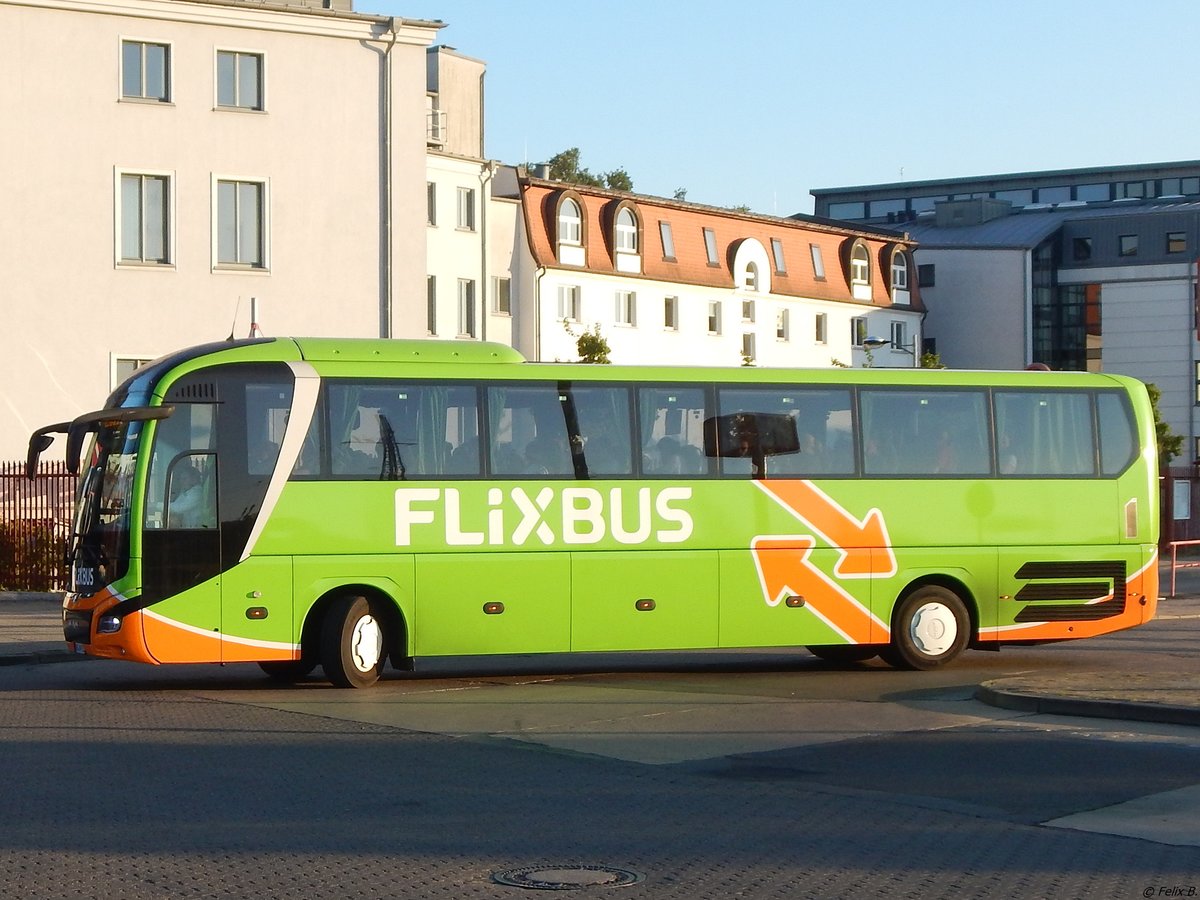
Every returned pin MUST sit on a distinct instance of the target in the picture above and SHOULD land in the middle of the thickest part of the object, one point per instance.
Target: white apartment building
(169, 160)
(678, 283)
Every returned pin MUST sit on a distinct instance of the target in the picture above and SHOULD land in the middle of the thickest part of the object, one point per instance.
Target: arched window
(627, 231)
(751, 276)
(899, 271)
(570, 222)
(571, 229)
(900, 294)
(860, 272)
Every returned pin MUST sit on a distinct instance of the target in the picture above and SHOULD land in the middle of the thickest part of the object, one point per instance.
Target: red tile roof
(690, 266)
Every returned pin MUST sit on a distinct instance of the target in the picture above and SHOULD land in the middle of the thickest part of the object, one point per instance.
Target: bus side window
(603, 429)
(671, 425)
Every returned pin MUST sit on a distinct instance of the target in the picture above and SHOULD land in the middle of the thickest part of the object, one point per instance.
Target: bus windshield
(99, 550)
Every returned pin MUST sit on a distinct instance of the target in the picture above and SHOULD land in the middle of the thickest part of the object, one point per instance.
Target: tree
(565, 167)
(1170, 444)
(591, 346)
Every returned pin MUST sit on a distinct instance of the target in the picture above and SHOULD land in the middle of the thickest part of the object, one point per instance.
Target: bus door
(206, 598)
(181, 540)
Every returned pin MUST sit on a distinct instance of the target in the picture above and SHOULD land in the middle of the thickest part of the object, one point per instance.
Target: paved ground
(30, 632)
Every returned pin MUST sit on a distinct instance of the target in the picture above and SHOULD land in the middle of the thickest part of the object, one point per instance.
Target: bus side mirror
(753, 435)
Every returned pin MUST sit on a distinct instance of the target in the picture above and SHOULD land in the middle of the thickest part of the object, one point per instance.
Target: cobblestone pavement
(157, 794)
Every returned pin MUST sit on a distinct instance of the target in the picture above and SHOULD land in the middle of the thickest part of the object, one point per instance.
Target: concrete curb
(993, 694)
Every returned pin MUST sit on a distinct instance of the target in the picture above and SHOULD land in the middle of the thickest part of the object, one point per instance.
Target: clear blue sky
(758, 101)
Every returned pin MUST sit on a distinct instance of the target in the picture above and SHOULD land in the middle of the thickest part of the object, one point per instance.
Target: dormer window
(860, 272)
(571, 231)
(751, 277)
(627, 238)
(570, 223)
(900, 294)
(626, 232)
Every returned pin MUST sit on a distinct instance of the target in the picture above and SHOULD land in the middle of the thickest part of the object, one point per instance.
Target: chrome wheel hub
(934, 629)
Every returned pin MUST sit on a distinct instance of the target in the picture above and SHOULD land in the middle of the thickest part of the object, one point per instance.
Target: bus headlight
(108, 625)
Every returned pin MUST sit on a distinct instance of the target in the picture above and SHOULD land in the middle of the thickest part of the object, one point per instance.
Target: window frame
(466, 309)
(168, 235)
(715, 325)
(431, 305)
(431, 204)
(777, 258)
(571, 293)
(667, 238)
(860, 270)
(671, 312)
(1176, 242)
(465, 215)
(168, 73)
(626, 234)
(710, 247)
(626, 309)
(1127, 245)
(501, 295)
(264, 224)
(237, 53)
(818, 261)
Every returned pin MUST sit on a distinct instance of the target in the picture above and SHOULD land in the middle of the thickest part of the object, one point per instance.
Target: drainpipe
(388, 329)
(537, 313)
(486, 171)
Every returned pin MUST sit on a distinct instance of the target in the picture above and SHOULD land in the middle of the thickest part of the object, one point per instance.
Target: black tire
(353, 645)
(842, 654)
(930, 628)
(288, 671)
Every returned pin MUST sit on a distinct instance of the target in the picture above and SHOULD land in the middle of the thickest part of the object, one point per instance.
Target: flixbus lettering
(575, 515)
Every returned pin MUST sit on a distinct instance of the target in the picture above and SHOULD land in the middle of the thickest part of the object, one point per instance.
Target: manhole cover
(566, 878)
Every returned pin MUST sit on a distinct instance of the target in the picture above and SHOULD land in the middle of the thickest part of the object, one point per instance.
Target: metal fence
(35, 519)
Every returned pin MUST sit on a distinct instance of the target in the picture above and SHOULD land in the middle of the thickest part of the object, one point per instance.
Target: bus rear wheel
(352, 643)
(931, 627)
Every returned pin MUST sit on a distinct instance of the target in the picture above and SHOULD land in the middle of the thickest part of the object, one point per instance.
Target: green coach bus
(346, 503)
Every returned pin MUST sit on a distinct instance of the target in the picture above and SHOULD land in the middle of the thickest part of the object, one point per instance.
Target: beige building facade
(168, 161)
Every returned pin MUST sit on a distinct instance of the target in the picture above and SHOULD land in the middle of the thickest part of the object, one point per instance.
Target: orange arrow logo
(866, 550)
(784, 570)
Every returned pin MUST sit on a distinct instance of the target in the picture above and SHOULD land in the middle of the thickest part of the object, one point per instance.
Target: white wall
(69, 306)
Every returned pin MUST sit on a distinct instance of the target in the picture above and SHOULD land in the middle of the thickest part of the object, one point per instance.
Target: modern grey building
(904, 200)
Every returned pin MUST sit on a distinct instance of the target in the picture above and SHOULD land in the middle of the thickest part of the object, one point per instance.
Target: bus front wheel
(931, 627)
(352, 643)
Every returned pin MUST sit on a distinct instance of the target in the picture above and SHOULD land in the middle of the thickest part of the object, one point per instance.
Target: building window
(466, 307)
(1176, 241)
(860, 272)
(466, 208)
(1081, 249)
(1131, 189)
(626, 231)
(817, 262)
(568, 302)
(751, 281)
(900, 277)
(124, 366)
(570, 223)
(821, 332)
(747, 310)
(240, 80)
(668, 241)
(671, 313)
(714, 316)
(710, 247)
(144, 203)
(1127, 245)
(431, 304)
(626, 308)
(748, 347)
(926, 275)
(145, 71)
(241, 224)
(501, 295)
(782, 325)
(899, 336)
(777, 256)
(430, 203)
(858, 331)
